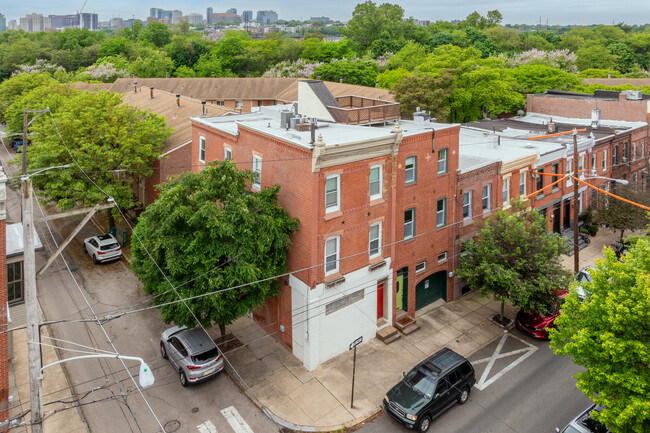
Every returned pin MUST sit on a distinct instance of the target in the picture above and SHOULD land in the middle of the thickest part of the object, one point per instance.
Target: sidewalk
(320, 400)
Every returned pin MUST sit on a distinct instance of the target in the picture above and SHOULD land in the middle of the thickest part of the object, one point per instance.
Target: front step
(406, 324)
(388, 334)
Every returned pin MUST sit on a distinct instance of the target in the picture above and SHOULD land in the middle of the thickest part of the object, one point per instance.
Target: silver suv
(584, 423)
(192, 353)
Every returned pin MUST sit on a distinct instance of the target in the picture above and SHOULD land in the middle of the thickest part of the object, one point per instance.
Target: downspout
(393, 218)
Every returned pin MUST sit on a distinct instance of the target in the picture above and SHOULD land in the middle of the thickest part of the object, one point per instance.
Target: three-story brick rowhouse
(374, 199)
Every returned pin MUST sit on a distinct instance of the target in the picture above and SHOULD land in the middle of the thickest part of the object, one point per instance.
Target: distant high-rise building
(89, 21)
(3, 23)
(324, 20)
(267, 17)
(117, 23)
(64, 21)
(224, 18)
(175, 17)
(35, 23)
(156, 13)
(126, 24)
(194, 19)
(232, 11)
(12, 25)
(208, 13)
(247, 16)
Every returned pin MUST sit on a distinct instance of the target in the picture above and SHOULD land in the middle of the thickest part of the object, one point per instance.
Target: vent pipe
(376, 83)
(312, 127)
(213, 75)
(166, 74)
(151, 92)
(135, 87)
(205, 111)
(178, 100)
(340, 78)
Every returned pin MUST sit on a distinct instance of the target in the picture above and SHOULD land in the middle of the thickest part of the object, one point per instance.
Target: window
(227, 154)
(505, 191)
(332, 193)
(634, 151)
(260, 103)
(15, 282)
(540, 180)
(375, 182)
(642, 148)
(220, 103)
(569, 170)
(486, 197)
(442, 257)
(555, 169)
(615, 156)
(593, 163)
(522, 183)
(374, 241)
(239, 105)
(581, 166)
(467, 205)
(409, 223)
(442, 161)
(604, 159)
(410, 169)
(344, 301)
(624, 153)
(441, 213)
(634, 179)
(257, 172)
(420, 267)
(202, 149)
(332, 255)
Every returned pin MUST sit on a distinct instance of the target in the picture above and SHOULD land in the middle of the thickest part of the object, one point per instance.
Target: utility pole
(31, 301)
(576, 249)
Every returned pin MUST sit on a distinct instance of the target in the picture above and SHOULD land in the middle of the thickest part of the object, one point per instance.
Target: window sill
(333, 279)
(332, 215)
(441, 227)
(539, 196)
(376, 263)
(407, 240)
(377, 201)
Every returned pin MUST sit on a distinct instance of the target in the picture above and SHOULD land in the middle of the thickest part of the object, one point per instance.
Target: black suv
(432, 387)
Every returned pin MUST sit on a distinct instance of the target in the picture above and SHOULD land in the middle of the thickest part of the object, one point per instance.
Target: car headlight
(386, 399)
(411, 417)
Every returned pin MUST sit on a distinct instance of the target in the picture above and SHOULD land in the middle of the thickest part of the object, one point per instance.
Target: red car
(537, 325)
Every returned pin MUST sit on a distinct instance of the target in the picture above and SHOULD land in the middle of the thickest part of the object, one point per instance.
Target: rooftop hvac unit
(285, 117)
(634, 95)
(421, 116)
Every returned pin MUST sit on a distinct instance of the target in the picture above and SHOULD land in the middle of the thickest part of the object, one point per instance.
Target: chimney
(132, 75)
(340, 78)
(551, 126)
(205, 111)
(135, 87)
(166, 74)
(595, 117)
(151, 92)
(376, 83)
(213, 75)
(312, 127)
(178, 100)
(318, 77)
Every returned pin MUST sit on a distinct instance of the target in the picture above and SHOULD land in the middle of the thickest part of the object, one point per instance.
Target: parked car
(192, 353)
(430, 388)
(584, 423)
(102, 248)
(537, 325)
(584, 276)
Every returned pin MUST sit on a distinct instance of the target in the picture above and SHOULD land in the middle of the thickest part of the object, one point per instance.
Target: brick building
(4, 305)
(374, 203)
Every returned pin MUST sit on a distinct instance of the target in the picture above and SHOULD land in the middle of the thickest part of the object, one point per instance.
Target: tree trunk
(222, 329)
(503, 306)
(109, 215)
(622, 235)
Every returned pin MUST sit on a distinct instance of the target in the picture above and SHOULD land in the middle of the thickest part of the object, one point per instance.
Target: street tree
(513, 257)
(112, 142)
(208, 232)
(370, 21)
(359, 72)
(608, 333)
(620, 215)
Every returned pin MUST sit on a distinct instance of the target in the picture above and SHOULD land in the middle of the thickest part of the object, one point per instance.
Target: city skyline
(579, 12)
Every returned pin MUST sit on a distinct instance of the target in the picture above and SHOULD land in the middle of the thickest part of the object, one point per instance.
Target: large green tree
(620, 215)
(513, 257)
(113, 143)
(371, 22)
(608, 333)
(207, 232)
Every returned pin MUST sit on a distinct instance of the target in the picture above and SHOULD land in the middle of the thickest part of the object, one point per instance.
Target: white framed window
(505, 191)
(522, 183)
(642, 148)
(467, 205)
(410, 169)
(227, 154)
(569, 170)
(374, 240)
(604, 159)
(593, 163)
(332, 193)
(486, 197)
(581, 166)
(332, 255)
(442, 257)
(409, 223)
(441, 213)
(634, 178)
(615, 155)
(634, 151)
(202, 149)
(624, 153)
(375, 182)
(257, 172)
(239, 105)
(442, 161)
(420, 267)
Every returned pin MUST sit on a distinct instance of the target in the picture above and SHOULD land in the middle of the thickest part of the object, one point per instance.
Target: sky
(514, 11)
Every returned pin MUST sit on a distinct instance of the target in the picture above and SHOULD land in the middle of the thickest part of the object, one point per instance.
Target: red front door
(380, 300)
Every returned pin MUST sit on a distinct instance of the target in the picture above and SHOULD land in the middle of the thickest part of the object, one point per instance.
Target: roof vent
(551, 126)
(634, 95)
(595, 117)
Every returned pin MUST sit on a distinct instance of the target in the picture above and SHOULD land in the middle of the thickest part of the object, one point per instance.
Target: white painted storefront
(326, 320)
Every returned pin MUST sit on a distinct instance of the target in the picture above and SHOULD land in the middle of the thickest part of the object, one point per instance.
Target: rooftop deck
(356, 110)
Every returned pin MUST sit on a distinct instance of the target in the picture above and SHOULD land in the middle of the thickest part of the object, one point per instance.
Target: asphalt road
(528, 391)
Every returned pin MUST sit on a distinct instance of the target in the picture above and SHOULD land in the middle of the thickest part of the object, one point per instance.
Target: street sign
(356, 342)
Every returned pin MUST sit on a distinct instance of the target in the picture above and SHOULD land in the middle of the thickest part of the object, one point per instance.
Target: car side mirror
(437, 394)
(403, 374)
(557, 430)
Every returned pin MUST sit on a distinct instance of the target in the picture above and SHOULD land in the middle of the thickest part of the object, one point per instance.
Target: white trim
(444, 256)
(469, 204)
(337, 246)
(378, 240)
(257, 181)
(489, 198)
(201, 141)
(227, 149)
(423, 267)
(337, 206)
(381, 186)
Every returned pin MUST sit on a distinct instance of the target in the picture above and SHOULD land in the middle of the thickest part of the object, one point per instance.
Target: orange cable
(557, 133)
(547, 186)
(610, 194)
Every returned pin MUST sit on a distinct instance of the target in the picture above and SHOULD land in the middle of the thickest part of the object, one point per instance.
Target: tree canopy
(619, 215)
(208, 232)
(514, 258)
(608, 333)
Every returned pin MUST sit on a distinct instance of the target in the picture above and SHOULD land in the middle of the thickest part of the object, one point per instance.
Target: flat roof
(14, 237)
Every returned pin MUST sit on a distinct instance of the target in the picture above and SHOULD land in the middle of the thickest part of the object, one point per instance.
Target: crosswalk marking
(235, 420)
(483, 382)
(207, 427)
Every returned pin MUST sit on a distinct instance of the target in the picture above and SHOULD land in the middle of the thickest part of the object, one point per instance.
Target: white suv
(102, 248)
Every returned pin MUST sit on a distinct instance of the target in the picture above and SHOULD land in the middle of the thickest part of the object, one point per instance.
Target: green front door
(431, 289)
(401, 297)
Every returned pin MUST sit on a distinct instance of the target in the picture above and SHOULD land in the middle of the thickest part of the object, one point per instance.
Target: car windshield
(109, 247)
(205, 356)
(420, 382)
(570, 429)
(584, 277)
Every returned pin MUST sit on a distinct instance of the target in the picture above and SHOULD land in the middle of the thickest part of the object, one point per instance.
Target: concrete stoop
(388, 334)
(406, 324)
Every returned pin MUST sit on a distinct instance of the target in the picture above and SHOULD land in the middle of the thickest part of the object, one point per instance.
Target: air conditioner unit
(634, 94)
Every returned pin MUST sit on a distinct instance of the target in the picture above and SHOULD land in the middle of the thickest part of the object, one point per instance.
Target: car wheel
(424, 425)
(95, 261)
(183, 379)
(464, 396)
(163, 352)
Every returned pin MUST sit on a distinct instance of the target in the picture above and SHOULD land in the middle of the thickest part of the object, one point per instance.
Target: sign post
(354, 345)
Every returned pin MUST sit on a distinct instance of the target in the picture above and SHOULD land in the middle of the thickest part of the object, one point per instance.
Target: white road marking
(235, 420)
(207, 427)
(483, 382)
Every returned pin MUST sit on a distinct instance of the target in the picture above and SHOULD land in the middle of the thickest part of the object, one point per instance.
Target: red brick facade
(4, 349)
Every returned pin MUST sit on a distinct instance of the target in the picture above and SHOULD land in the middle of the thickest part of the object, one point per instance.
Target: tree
(157, 33)
(113, 142)
(362, 73)
(369, 21)
(620, 215)
(208, 231)
(14, 88)
(514, 258)
(536, 78)
(608, 333)
(595, 57)
(494, 18)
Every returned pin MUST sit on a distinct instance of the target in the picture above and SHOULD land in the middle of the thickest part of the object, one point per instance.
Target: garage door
(431, 289)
